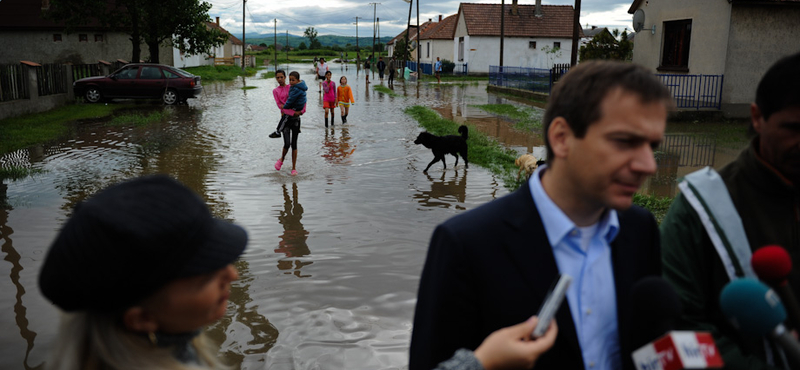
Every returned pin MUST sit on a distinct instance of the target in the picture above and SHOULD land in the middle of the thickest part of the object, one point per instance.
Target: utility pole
(576, 24)
(374, 27)
(419, 72)
(502, 30)
(287, 45)
(275, 43)
(243, 9)
(408, 30)
(379, 36)
(358, 50)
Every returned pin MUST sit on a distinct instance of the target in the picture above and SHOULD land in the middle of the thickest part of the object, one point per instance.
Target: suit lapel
(531, 254)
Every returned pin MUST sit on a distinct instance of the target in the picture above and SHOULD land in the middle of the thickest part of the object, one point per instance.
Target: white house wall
(759, 36)
(183, 60)
(482, 51)
(709, 39)
(439, 48)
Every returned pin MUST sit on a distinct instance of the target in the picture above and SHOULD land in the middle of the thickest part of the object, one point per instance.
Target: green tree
(401, 50)
(181, 23)
(552, 53)
(311, 34)
(302, 46)
(263, 45)
(605, 45)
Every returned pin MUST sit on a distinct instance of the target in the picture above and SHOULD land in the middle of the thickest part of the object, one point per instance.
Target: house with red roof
(535, 36)
(736, 39)
(412, 38)
(230, 51)
(437, 40)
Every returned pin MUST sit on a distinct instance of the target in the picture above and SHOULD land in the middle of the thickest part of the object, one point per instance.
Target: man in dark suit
(492, 267)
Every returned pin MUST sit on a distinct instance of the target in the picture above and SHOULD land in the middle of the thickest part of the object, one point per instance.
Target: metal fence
(14, 82)
(694, 91)
(427, 68)
(532, 79)
(52, 79)
(687, 150)
(86, 70)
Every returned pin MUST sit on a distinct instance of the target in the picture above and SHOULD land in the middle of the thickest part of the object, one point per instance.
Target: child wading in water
(295, 106)
(345, 97)
(329, 97)
(280, 94)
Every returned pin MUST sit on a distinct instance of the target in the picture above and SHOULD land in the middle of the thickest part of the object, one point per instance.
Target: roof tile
(484, 20)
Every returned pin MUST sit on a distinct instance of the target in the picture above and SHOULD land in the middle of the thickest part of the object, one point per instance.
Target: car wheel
(93, 95)
(170, 97)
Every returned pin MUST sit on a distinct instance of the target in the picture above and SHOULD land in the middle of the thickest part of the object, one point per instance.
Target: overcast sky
(337, 17)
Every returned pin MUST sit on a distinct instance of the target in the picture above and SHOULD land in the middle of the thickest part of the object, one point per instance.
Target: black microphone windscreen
(655, 310)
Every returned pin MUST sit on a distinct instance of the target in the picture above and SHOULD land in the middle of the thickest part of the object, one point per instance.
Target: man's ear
(136, 319)
(756, 118)
(560, 136)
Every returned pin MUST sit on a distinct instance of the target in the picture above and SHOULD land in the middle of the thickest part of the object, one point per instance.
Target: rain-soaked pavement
(330, 275)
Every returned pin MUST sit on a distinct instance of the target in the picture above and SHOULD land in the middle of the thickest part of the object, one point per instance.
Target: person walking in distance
(322, 68)
(381, 68)
(367, 68)
(392, 71)
(329, 101)
(296, 102)
(344, 95)
(437, 67)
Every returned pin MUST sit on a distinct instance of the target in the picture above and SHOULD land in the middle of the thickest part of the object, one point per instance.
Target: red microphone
(772, 264)
(678, 350)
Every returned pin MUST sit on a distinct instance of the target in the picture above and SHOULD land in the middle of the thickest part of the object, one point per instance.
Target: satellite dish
(638, 20)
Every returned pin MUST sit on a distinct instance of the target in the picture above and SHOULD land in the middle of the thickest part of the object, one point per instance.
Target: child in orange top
(345, 96)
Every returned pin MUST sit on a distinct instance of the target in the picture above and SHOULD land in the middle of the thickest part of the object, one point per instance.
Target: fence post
(33, 80)
(70, 80)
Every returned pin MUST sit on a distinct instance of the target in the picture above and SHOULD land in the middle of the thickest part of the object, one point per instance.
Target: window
(150, 73)
(98, 38)
(461, 49)
(428, 50)
(83, 37)
(557, 45)
(127, 73)
(57, 37)
(677, 35)
(531, 44)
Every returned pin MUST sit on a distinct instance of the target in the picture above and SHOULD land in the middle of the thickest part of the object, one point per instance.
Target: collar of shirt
(557, 225)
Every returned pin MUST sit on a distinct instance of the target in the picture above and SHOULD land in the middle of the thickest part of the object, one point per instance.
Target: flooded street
(330, 275)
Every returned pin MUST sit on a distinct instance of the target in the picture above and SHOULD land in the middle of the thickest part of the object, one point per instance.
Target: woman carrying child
(295, 106)
(329, 97)
(345, 97)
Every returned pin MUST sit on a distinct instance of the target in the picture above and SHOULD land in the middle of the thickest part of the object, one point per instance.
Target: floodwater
(330, 275)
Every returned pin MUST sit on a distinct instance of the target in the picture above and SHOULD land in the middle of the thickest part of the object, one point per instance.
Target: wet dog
(441, 145)
(528, 164)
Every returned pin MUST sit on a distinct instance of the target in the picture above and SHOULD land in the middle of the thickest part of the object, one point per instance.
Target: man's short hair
(578, 95)
(294, 74)
(780, 86)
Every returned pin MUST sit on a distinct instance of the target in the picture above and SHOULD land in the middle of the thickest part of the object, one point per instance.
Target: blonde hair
(92, 341)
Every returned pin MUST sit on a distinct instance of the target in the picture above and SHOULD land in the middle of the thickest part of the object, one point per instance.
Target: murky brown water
(330, 276)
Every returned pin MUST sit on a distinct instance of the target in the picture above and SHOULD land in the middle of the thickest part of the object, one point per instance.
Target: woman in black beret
(139, 270)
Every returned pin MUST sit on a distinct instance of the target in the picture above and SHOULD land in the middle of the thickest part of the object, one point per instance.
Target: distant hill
(325, 40)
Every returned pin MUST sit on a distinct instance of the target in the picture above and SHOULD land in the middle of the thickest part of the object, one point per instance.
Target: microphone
(656, 309)
(755, 309)
(772, 264)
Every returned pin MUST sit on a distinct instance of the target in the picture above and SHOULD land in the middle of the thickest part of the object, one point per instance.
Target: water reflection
(336, 150)
(293, 240)
(446, 191)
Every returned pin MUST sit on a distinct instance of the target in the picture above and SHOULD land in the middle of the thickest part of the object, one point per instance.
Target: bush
(448, 66)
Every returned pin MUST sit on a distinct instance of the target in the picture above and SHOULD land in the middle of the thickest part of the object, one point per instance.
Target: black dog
(441, 145)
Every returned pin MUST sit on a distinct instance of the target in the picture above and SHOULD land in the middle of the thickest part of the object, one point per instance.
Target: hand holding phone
(551, 304)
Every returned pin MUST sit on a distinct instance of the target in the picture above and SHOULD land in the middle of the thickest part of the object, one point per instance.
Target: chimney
(514, 10)
(217, 21)
(594, 27)
(430, 20)
(440, 17)
(538, 11)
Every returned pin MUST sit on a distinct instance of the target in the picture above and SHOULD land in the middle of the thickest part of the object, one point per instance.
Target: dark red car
(141, 81)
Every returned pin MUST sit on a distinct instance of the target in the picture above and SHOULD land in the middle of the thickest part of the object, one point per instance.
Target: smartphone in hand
(551, 304)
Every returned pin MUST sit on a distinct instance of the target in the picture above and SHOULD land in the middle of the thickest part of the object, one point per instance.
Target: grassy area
(220, 73)
(140, 119)
(525, 119)
(483, 151)
(16, 173)
(21, 132)
(385, 90)
(270, 74)
(520, 97)
(249, 87)
(658, 206)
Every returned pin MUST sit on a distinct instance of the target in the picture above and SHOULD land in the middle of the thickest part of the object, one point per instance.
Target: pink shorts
(329, 104)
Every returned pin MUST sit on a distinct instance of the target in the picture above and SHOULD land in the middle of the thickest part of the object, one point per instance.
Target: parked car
(141, 81)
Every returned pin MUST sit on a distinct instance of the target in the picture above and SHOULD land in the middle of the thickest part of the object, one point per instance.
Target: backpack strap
(707, 194)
